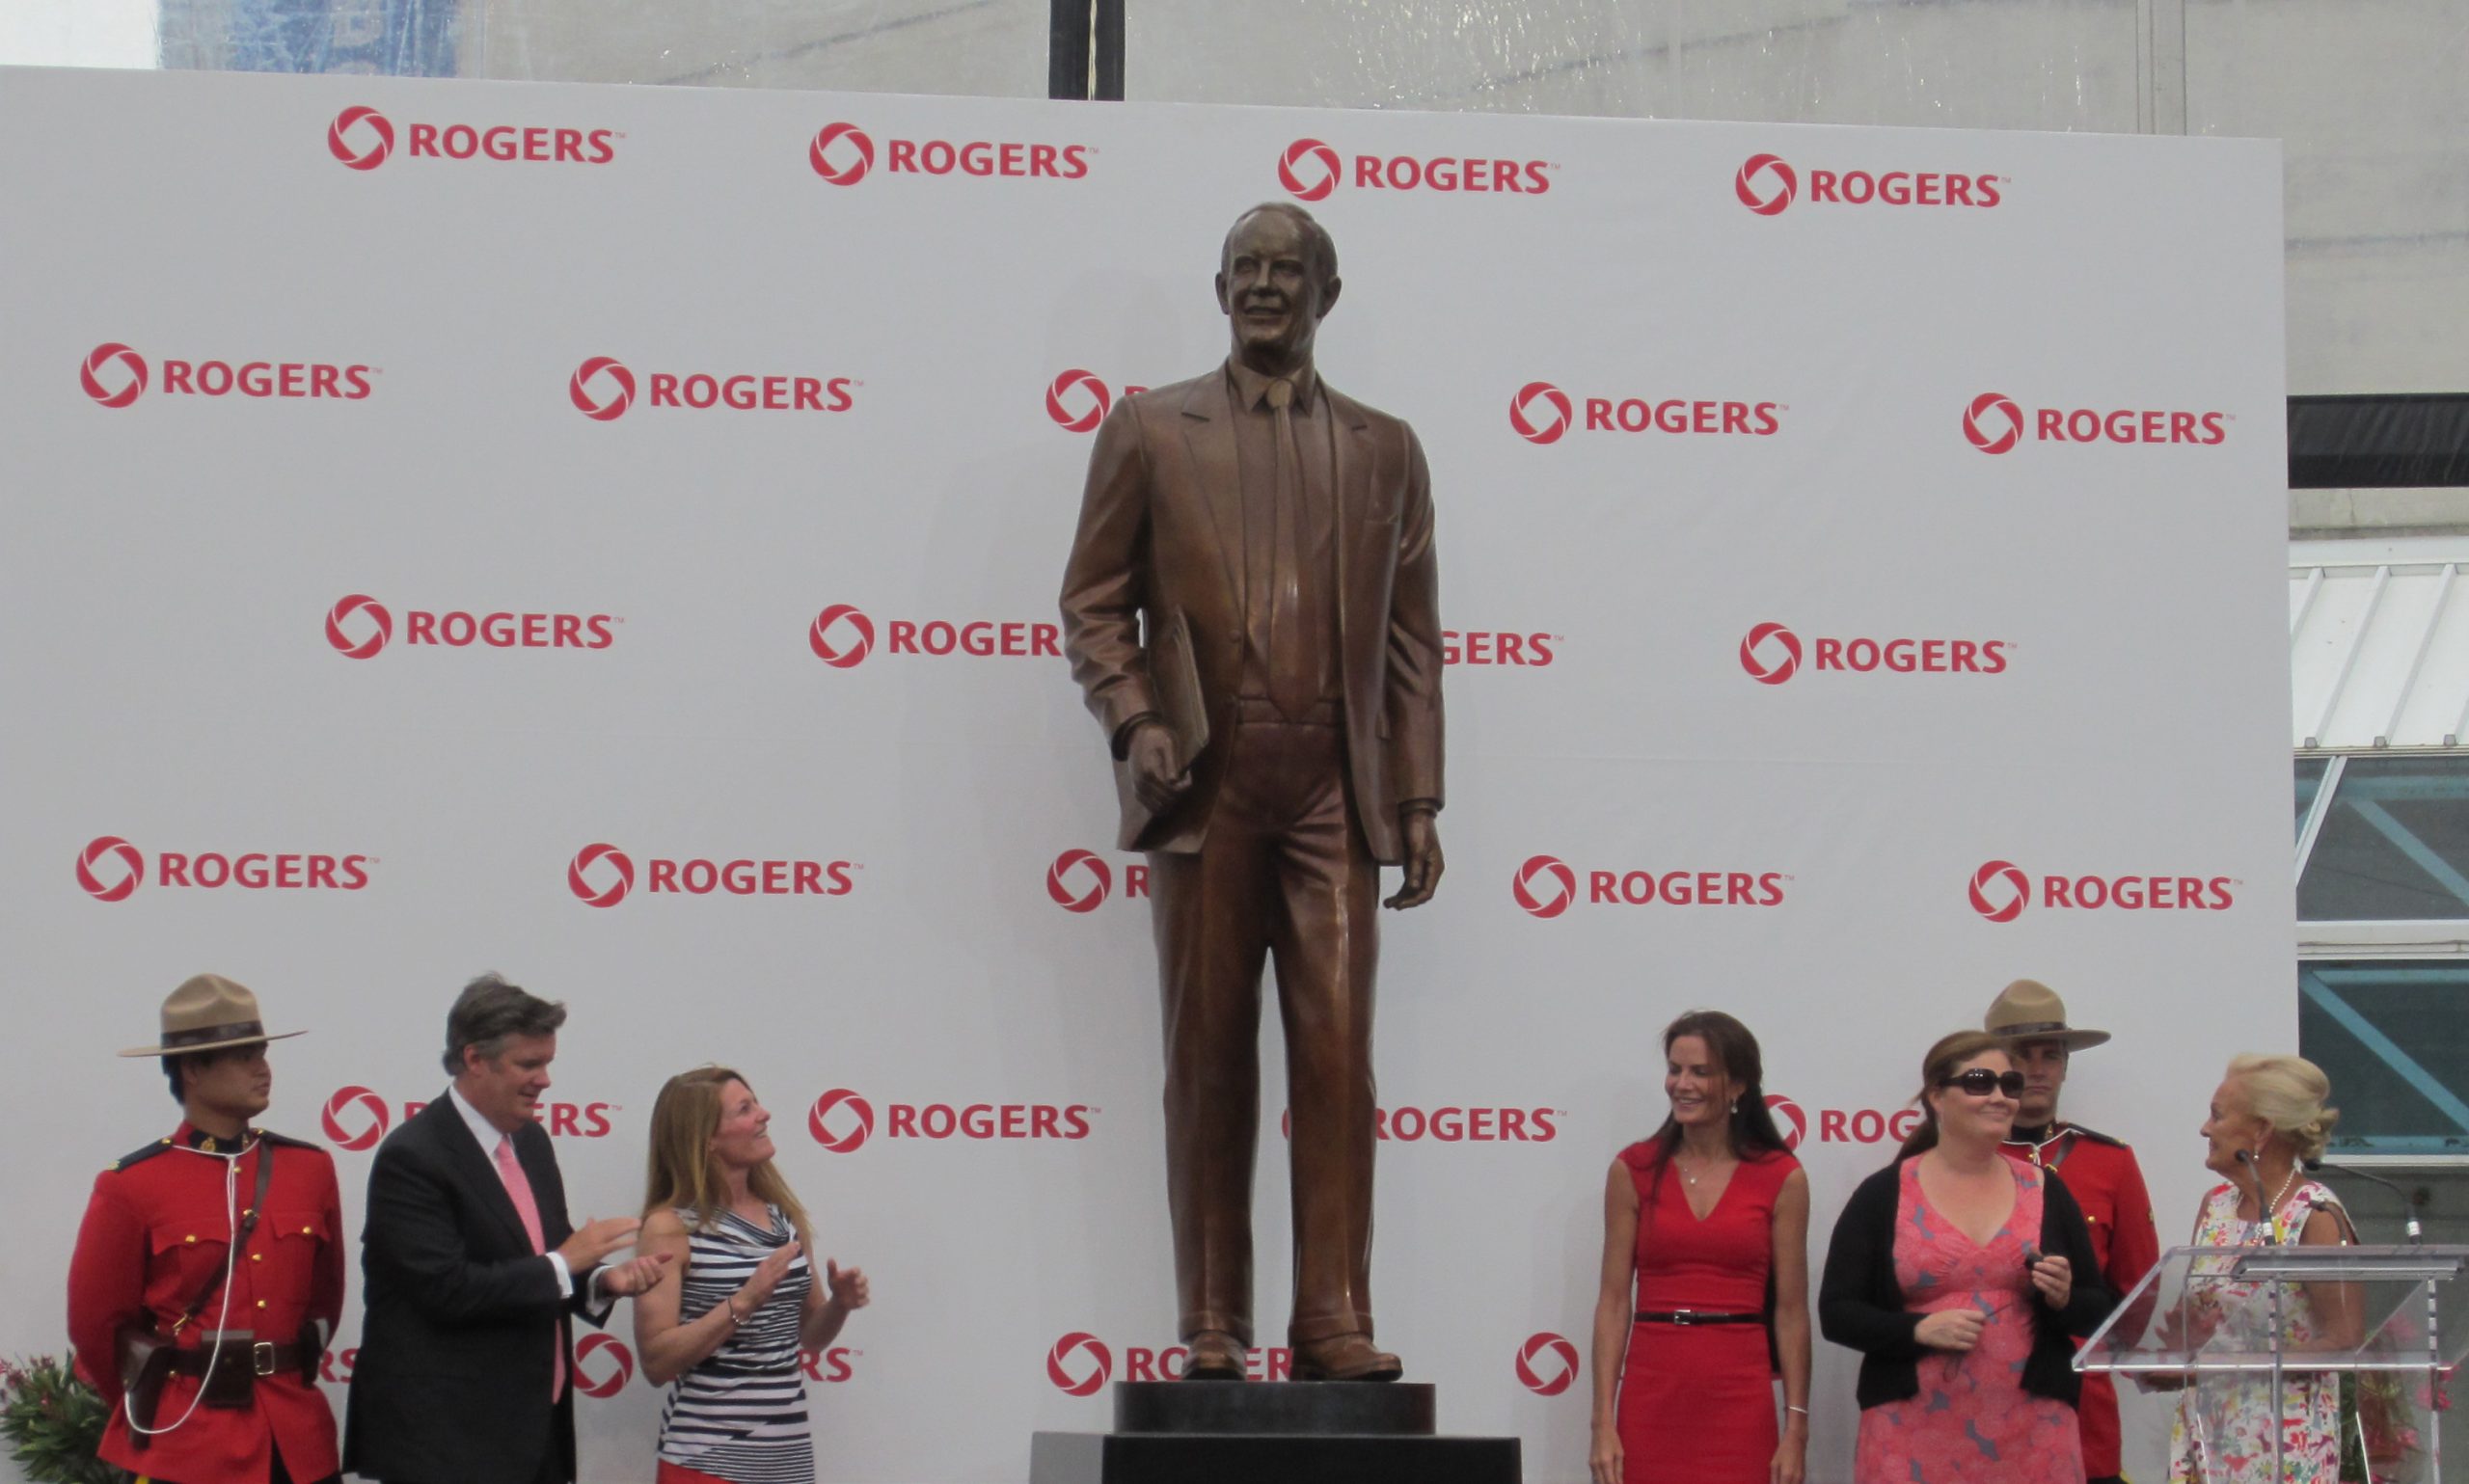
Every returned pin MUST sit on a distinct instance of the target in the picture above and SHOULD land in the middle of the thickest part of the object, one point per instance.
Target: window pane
(2393, 1037)
(2395, 845)
(2309, 778)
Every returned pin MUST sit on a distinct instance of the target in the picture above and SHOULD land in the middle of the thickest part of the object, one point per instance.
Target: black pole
(1066, 50)
(1109, 51)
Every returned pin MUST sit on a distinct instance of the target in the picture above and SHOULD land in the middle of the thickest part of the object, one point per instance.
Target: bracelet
(1802, 1411)
(730, 1305)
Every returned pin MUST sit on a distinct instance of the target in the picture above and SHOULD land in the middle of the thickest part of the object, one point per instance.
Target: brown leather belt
(1260, 709)
(1695, 1316)
(258, 1358)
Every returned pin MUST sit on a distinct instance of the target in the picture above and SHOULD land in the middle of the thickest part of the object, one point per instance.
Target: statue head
(1277, 278)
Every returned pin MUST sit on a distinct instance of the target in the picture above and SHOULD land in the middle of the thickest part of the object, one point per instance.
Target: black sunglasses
(1980, 1082)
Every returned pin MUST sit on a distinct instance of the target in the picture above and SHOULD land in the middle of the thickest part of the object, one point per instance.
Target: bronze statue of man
(1256, 548)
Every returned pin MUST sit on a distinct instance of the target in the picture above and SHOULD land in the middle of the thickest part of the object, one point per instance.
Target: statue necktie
(1292, 684)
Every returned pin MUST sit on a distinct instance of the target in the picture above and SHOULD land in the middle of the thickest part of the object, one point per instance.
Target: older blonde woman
(730, 1335)
(2269, 1118)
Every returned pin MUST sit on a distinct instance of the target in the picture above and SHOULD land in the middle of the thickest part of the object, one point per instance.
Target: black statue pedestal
(1285, 1432)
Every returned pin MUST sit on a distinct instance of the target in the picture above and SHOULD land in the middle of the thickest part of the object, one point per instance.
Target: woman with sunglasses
(1709, 1218)
(1963, 1276)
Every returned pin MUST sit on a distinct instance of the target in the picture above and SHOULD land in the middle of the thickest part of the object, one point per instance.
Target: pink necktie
(518, 1189)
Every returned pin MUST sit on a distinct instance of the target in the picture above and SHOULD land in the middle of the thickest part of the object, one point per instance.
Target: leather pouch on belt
(233, 1384)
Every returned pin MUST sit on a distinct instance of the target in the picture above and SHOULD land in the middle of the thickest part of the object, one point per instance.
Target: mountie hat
(2028, 1009)
(208, 1013)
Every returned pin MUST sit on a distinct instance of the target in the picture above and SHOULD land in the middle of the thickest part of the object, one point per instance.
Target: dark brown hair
(1750, 1124)
(1950, 1052)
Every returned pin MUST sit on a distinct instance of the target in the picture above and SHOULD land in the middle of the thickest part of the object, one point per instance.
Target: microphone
(2408, 1200)
(2254, 1172)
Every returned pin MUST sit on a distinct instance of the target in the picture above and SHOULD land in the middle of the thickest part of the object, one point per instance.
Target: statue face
(1272, 291)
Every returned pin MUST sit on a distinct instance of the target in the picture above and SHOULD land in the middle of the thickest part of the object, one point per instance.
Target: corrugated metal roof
(2378, 652)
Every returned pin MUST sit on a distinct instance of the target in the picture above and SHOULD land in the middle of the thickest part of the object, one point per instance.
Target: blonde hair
(1951, 1051)
(682, 1175)
(2288, 1093)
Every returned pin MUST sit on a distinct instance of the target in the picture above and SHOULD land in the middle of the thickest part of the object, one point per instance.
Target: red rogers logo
(842, 636)
(621, 876)
(1559, 883)
(505, 143)
(936, 1122)
(113, 353)
(342, 1132)
(1059, 1367)
(1841, 1125)
(1546, 887)
(861, 1113)
(703, 392)
(1309, 170)
(1068, 388)
(1546, 429)
(1993, 437)
(1076, 866)
(1787, 1113)
(1994, 424)
(1856, 187)
(702, 878)
(110, 869)
(115, 376)
(1765, 203)
(844, 154)
(591, 1379)
(1541, 412)
(1559, 1372)
(1772, 655)
(459, 630)
(1765, 670)
(2000, 891)
(118, 881)
(380, 130)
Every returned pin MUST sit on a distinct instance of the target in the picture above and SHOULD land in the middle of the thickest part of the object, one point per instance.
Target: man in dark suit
(1288, 528)
(471, 1269)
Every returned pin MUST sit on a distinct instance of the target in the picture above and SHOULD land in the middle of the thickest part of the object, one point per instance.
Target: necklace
(2269, 1216)
(1686, 1174)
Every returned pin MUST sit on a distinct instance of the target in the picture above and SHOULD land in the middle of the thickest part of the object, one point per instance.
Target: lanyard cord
(221, 1318)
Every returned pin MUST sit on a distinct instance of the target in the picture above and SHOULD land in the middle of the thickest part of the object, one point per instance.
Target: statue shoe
(1348, 1357)
(1215, 1356)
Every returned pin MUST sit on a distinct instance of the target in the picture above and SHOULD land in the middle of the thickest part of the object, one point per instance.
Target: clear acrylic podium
(2246, 1335)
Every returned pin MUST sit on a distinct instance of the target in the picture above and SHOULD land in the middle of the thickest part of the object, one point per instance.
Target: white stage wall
(1990, 424)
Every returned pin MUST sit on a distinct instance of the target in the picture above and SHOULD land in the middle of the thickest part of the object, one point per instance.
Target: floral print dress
(2223, 1430)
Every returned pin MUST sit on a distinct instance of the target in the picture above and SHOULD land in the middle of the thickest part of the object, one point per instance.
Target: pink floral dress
(1972, 1423)
(2222, 1431)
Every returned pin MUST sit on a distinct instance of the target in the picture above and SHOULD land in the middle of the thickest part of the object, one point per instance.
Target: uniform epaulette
(143, 1152)
(285, 1139)
(2096, 1136)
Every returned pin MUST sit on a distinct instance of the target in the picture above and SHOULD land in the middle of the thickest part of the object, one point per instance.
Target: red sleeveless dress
(1697, 1402)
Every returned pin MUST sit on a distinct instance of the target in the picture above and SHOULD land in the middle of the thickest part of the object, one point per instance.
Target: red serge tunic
(156, 1229)
(1697, 1401)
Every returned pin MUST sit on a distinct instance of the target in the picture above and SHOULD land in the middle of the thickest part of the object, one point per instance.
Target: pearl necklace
(2269, 1216)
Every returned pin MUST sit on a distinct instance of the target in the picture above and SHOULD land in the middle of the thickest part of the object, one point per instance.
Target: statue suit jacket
(1162, 531)
(462, 1318)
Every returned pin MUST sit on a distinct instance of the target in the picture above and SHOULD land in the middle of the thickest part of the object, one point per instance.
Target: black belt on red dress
(1695, 1317)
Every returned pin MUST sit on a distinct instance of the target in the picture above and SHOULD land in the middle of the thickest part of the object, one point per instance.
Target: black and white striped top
(741, 1413)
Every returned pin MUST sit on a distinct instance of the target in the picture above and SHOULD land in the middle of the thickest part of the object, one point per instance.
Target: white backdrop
(242, 626)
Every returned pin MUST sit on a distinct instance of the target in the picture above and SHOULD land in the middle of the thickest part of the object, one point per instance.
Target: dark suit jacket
(456, 1359)
(1162, 531)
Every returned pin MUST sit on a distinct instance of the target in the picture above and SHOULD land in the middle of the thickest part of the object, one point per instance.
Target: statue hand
(1154, 776)
(1422, 860)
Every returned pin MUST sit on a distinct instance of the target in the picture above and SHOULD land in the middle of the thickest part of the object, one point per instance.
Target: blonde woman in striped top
(728, 1337)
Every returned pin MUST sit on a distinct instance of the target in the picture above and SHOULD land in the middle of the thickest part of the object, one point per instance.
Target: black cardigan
(1859, 1303)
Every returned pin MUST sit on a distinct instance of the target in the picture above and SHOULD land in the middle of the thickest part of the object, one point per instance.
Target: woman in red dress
(1710, 1217)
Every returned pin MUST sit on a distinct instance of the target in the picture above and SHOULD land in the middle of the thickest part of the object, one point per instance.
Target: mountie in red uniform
(157, 1233)
(2101, 1176)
